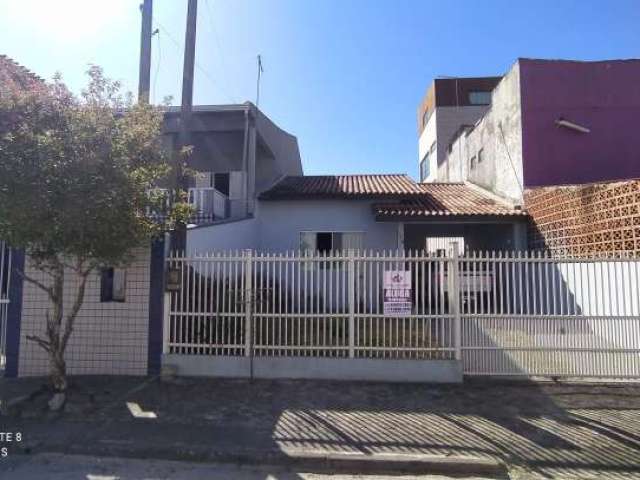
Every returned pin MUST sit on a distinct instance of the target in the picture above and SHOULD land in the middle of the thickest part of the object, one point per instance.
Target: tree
(76, 174)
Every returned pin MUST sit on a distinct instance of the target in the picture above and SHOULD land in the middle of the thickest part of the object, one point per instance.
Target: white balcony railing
(209, 204)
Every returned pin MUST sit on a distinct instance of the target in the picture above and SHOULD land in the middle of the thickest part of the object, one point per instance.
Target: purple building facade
(603, 97)
(552, 122)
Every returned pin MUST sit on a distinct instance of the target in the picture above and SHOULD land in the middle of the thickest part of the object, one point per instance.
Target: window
(425, 118)
(472, 163)
(221, 182)
(326, 242)
(479, 156)
(480, 98)
(113, 284)
(443, 246)
(424, 167)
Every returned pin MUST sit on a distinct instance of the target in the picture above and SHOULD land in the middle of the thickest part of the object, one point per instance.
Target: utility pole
(187, 73)
(179, 240)
(260, 70)
(144, 80)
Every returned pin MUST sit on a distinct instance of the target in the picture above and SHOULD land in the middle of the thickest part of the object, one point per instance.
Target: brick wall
(582, 220)
(109, 338)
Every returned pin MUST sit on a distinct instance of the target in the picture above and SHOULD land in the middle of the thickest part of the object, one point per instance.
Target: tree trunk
(58, 326)
(58, 371)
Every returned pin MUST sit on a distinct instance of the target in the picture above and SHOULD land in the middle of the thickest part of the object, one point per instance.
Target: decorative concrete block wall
(583, 220)
(108, 338)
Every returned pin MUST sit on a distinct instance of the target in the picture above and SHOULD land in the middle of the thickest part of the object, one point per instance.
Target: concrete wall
(602, 96)
(427, 138)
(282, 147)
(277, 225)
(108, 338)
(350, 369)
(443, 124)
(499, 135)
(449, 121)
(280, 222)
(232, 235)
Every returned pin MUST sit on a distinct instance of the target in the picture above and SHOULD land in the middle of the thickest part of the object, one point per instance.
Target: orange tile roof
(341, 186)
(442, 199)
(399, 196)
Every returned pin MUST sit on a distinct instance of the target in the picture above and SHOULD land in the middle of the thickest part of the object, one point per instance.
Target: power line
(221, 55)
(202, 70)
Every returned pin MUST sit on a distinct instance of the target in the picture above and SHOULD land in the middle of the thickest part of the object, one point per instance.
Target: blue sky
(344, 76)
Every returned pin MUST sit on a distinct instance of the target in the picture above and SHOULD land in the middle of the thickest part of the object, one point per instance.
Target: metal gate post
(352, 301)
(454, 300)
(248, 300)
(166, 319)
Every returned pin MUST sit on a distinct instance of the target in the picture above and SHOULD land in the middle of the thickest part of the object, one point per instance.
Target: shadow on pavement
(550, 430)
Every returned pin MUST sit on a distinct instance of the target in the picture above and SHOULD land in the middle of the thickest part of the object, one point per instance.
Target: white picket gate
(520, 314)
(5, 276)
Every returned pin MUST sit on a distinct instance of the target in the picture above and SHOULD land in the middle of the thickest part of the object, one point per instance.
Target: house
(549, 122)
(379, 212)
(238, 152)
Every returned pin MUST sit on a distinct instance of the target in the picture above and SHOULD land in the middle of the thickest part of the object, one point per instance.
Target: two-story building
(448, 105)
(546, 122)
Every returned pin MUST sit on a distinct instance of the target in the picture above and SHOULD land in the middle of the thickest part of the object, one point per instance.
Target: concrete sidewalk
(544, 430)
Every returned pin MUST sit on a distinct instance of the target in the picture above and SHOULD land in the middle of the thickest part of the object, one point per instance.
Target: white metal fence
(500, 314)
(537, 315)
(5, 275)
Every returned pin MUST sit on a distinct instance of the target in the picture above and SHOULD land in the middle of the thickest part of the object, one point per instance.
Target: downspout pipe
(245, 160)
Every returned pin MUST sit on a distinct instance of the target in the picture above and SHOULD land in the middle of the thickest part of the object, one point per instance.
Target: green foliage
(76, 172)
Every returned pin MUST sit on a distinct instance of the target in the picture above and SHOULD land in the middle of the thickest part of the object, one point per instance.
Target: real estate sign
(397, 292)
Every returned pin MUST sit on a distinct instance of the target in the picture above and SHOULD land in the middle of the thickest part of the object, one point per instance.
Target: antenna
(260, 70)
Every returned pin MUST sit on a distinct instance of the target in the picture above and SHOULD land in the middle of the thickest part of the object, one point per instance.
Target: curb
(358, 463)
(304, 461)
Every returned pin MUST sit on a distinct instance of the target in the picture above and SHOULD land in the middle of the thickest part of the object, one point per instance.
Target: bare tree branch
(43, 343)
(37, 283)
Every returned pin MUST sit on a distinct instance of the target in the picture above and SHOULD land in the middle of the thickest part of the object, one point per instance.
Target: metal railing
(520, 314)
(208, 203)
(297, 304)
(5, 277)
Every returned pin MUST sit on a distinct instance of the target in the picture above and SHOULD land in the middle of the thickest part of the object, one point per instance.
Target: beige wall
(501, 169)
(109, 338)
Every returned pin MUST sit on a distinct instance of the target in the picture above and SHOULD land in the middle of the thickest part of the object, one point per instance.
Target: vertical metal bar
(248, 302)
(352, 302)
(454, 302)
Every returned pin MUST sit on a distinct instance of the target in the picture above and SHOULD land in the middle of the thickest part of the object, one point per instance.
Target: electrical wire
(515, 172)
(219, 45)
(202, 70)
